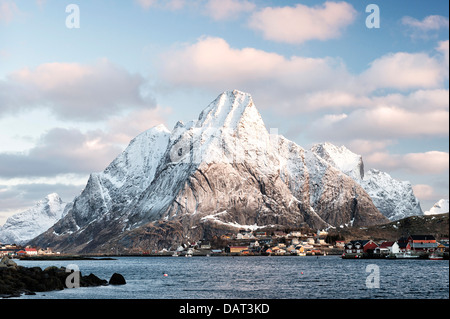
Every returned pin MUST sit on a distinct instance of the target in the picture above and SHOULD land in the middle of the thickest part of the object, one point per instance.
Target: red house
(403, 244)
(422, 242)
(360, 246)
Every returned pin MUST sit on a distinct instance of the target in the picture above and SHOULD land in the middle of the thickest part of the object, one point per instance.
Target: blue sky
(72, 98)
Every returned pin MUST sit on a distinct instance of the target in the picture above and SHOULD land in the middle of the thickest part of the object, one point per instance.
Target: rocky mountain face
(206, 177)
(394, 199)
(26, 225)
(441, 207)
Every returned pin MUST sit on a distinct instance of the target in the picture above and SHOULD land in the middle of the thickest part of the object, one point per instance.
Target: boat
(434, 256)
(405, 255)
(175, 254)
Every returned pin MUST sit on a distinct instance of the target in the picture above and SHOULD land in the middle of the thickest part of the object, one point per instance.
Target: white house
(387, 247)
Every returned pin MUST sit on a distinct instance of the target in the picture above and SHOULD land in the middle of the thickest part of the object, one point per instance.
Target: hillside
(436, 225)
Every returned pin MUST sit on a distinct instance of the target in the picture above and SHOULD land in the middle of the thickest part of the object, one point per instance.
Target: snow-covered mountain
(341, 158)
(203, 178)
(441, 207)
(22, 227)
(394, 199)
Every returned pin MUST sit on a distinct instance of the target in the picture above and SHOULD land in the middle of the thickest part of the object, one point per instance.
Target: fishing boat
(405, 255)
(434, 256)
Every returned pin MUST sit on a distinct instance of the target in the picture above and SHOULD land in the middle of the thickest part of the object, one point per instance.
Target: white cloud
(424, 192)
(73, 151)
(383, 122)
(432, 22)
(299, 84)
(74, 91)
(8, 10)
(443, 48)
(403, 71)
(146, 4)
(432, 162)
(172, 5)
(227, 9)
(302, 23)
(425, 29)
(276, 80)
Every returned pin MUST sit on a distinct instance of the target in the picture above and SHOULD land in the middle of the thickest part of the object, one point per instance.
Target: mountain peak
(441, 207)
(230, 109)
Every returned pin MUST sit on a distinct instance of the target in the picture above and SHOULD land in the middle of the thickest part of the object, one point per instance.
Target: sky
(80, 79)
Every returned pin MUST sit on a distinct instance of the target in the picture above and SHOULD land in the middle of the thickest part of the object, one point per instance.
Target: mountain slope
(436, 225)
(202, 178)
(26, 225)
(394, 199)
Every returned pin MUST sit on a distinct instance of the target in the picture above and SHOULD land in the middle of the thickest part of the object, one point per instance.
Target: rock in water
(117, 279)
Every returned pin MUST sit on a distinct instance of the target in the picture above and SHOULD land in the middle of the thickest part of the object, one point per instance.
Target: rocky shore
(16, 280)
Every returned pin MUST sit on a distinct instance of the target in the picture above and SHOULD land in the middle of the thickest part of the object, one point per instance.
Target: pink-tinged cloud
(72, 151)
(227, 9)
(8, 10)
(74, 91)
(433, 162)
(302, 23)
(432, 22)
(212, 64)
(404, 71)
(424, 192)
(383, 122)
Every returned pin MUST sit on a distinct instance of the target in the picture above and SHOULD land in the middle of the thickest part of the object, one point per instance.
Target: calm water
(328, 277)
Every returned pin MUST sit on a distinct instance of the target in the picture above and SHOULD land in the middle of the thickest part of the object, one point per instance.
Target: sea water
(258, 277)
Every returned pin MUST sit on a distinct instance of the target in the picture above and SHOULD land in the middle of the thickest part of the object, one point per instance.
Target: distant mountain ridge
(22, 227)
(394, 199)
(441, 207)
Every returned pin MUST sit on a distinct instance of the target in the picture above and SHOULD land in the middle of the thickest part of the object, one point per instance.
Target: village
(13, 250)
(297, 243)
(280, 243)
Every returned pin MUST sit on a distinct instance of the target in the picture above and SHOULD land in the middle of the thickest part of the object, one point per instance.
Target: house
(236, 249)
(21, 253)
(340, 244)
(226, 236)
(254, 244)
(442, 248)
(387, 247)
(403, 244)
(245, 234)
(278, 250)
(205, 245)
(422, 242)
(265, 241)
(360, 246)
(259, 234)
(279, 234)
(295, 233)
(31, 251)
